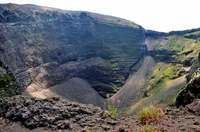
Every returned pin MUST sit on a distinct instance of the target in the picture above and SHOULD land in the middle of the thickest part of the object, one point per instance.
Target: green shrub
(149, 114)
(8, 84)
(112, 109)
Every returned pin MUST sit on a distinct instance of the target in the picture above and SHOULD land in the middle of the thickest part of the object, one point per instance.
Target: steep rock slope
(133, 90)
(193, 68)
(75, 89)
(45, 47)
(191, 91)
(174, 53)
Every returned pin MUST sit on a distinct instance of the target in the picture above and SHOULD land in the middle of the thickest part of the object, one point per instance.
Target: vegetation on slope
(8, 84)
(184, 44)
(193, 68)
(163, 75)
(179, 51)
(191, 91)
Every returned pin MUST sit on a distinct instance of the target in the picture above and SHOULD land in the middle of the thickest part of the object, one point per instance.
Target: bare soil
(74, 89)
(136, 84)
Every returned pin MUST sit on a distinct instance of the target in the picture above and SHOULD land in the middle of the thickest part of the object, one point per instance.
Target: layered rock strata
(45, 47)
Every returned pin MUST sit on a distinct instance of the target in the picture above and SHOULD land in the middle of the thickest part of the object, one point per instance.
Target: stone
(196, 123)
(64, 125)
(121, 129)
(2, 71)
(194, 107)
(195, 127)
(111, 122)
(106, 128)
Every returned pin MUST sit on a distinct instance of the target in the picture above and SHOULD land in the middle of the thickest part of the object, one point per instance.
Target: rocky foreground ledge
(55, 114)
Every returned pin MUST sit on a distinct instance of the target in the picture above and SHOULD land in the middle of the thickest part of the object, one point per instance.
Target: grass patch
(172, 95)
(162, 75)
(157, 70)
(193, 35)
(158, 79)
(177, 43)
(183, 45)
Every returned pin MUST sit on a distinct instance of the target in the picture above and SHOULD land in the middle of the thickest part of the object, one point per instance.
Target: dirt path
(133, 88)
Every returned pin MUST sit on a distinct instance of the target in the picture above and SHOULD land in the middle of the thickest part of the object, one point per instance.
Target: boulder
(191, 91)
(194, 107)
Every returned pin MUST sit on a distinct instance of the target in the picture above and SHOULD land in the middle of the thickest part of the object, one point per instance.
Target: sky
(159, 15)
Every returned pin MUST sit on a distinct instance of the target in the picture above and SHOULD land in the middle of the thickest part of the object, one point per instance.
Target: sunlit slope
(173, 53)
(134, 87)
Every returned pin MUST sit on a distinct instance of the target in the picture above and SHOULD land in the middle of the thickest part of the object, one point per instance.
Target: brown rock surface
(53, 114)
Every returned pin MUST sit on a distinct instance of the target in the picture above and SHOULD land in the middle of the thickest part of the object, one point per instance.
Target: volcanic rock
(45, 47)
(191, 91)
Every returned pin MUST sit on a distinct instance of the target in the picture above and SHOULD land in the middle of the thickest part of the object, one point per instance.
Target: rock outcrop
(191, 91)
(45, 47)
(193, 68)
(55, 114)
(52, 113)
(194, 107)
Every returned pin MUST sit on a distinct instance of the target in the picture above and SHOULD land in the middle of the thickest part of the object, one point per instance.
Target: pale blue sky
(160, 15)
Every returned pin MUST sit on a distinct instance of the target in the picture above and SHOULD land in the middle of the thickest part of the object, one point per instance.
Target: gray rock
(2, 71)
(111, 122)
(51, 46)
(53, 112)
(191, 91)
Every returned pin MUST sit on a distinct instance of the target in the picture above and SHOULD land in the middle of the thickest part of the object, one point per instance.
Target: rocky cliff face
(191, 91)
(45, 47)
(193, 68)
